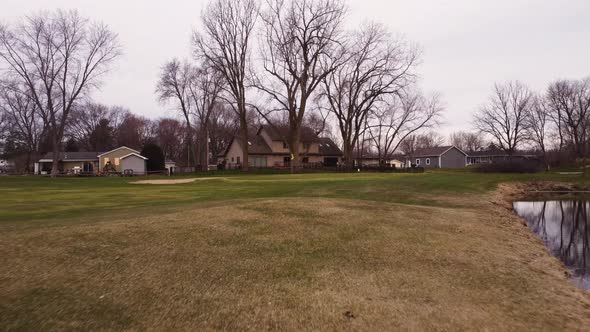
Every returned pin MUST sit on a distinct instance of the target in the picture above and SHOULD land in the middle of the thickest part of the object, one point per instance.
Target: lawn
(361, 251)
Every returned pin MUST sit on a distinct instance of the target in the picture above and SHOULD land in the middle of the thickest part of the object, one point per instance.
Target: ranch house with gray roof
(438, 157)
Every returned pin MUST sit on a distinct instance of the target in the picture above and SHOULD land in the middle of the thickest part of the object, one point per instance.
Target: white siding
(135, 163)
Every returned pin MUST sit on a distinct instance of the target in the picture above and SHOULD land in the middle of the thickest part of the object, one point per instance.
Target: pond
(564, 226)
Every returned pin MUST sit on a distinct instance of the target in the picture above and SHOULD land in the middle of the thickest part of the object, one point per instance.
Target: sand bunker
(175, 181)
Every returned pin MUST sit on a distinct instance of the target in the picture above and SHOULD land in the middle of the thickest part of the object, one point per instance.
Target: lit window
(116, 161)
(427, 161)
(417, 161)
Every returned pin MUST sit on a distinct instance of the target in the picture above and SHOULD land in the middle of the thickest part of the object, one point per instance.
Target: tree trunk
(348, 156)
(191, 147)
(28, 162)
(295, 162)
(55, 157)
(203, 150)
(244, 131)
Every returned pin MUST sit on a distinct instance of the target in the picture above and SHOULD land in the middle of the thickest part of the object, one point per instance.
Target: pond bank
(509, 192)
(557, 214)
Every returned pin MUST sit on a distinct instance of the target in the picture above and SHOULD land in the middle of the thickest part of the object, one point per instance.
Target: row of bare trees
(293, 62)
(557, 119)
(51, 61)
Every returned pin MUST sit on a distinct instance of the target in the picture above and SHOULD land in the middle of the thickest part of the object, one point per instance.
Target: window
(232, 159)
(238, 160)
(305, 160)
(116, 161)
(284, 145)
(418, 162)
(427, 161)
(306, 146)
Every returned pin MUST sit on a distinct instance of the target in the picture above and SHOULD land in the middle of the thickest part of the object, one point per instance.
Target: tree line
(555, 122)
(281, 63)
(292, 64)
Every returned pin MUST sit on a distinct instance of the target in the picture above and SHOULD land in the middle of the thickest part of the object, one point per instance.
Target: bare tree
(134, 131)
(87, 118)
(568, 105)
(176, 80)
(504, 117)
(299, 48)
(389, 127)
(170, 136)
(430, 139)
(467, 141)
(205, 89)
(537, 125)
(60, 57)
(377, 65)
(223, 126)
(224, 44)
(318, 122)
(21, 118)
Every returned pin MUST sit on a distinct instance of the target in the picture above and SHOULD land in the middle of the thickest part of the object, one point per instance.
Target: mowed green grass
(73, 199)
(278, 252)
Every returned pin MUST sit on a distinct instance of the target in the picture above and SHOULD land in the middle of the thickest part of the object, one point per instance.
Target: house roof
(119, 148)
(256, 145)
(278, 133)
(434, 151)
(134, 154)
(72, 156)
(328, 147)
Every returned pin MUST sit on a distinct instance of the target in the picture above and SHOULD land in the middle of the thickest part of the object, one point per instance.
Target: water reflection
(565, 229)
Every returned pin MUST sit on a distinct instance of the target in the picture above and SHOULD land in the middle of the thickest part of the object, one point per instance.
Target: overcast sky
(468, 45)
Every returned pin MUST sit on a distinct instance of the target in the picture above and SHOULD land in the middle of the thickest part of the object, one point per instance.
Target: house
(496, 155)
(371, 159)
(267, 148)
(438, 157)
(117, 160)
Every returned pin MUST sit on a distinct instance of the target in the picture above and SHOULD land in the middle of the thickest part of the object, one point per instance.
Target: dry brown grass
(290, 264)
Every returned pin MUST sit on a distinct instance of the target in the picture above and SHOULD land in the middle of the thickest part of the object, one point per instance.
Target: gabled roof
(119, 148)
(279, 133)
(435, 151)
(328, 147)
(256, 145)
(72, 156)
(133, 154)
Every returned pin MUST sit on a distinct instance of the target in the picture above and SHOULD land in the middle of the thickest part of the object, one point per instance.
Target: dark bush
(514, 166)
(155, 157)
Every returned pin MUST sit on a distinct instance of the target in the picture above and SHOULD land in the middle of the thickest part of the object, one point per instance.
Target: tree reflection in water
(565, 229)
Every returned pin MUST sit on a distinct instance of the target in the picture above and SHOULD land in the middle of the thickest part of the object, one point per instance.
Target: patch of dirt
(175, 181)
